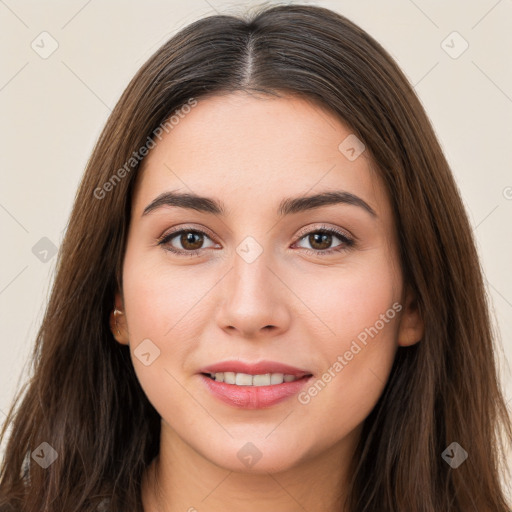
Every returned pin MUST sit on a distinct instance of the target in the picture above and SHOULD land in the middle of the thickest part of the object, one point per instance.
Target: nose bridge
(251, 275)
(251, 297)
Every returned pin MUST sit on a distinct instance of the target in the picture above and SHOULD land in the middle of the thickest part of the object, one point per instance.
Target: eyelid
(324, 227)
(348, 240)
(186, 227)
(304, 231)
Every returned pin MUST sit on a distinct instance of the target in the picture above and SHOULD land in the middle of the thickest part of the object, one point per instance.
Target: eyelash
(346, 245)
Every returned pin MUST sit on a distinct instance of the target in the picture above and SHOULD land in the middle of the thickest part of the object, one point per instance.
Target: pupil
(318, 237)
(188, 238)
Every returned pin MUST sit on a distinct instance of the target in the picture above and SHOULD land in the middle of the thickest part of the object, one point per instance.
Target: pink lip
(259, 368)
(254, 397)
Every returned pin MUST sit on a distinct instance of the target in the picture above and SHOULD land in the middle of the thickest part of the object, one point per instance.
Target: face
(258, 277)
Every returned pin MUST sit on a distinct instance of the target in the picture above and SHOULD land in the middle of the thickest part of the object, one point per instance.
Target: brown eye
(321, 241)
(191, 240)
(188, 242)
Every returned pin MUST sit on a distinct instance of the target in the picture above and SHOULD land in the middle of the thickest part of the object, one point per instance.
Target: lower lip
(254, 397)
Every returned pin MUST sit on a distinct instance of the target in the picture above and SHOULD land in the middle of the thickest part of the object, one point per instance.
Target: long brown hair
(84, 399)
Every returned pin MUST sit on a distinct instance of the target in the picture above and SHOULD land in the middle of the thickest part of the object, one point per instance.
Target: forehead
(251, 151)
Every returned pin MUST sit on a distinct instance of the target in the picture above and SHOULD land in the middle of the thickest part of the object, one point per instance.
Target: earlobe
(118, 324)
(411, 328)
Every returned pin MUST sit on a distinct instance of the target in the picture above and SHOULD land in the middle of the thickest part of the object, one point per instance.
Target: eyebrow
(287, 206)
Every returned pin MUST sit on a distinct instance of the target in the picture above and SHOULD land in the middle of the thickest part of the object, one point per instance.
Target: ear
(118, 324)
(411, 327)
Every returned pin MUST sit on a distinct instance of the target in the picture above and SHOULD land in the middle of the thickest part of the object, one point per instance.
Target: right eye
(191, 240)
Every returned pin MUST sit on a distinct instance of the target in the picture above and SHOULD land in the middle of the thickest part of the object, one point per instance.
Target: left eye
(323, 239)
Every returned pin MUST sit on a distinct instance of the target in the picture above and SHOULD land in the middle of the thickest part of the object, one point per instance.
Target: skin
(251, 152)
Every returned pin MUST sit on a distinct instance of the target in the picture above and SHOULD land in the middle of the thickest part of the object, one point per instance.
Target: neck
(181, 480)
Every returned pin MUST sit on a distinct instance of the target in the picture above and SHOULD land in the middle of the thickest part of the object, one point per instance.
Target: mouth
(253, 386)
(246, 379)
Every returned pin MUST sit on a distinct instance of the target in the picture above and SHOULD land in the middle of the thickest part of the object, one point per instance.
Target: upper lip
(259, 368)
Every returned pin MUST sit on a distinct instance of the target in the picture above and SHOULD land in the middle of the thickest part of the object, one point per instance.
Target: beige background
(53, 109)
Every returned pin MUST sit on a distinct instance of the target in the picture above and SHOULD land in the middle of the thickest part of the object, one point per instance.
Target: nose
(254, 300)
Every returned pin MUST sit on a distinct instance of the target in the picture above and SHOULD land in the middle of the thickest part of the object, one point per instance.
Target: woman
(268, 281)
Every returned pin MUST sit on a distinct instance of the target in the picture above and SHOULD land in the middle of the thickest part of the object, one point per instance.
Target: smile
(245, 379)
(253, 385)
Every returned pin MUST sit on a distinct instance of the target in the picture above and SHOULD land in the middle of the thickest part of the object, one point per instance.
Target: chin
(256, 456)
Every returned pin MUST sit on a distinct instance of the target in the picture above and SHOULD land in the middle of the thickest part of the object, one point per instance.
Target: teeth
(262, 380)
(244, 379)
(229, 377)
(276, 378)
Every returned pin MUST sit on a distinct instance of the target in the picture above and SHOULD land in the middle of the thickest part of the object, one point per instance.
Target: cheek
(163, 310)
(359, 313)
(348, 301)
(363, 308)
(163, 301)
